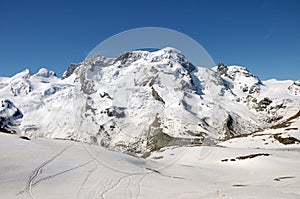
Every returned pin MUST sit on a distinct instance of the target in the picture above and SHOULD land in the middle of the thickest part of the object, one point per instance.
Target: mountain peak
(25, 74)
(239, 77)
(43, 72)
(167, 52)
(171, 50)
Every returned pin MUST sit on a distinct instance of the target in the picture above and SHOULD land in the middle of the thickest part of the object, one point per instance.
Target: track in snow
(34, 175)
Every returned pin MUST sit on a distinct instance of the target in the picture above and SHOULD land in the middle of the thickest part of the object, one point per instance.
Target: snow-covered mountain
(140, 102)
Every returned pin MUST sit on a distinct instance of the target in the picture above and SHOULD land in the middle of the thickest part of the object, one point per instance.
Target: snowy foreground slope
(45, 168)
(140, 102)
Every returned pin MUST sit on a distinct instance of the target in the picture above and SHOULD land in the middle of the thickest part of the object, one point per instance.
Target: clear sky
(263, 35)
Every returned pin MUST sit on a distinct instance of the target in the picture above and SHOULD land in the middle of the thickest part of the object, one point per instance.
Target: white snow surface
(45, 168)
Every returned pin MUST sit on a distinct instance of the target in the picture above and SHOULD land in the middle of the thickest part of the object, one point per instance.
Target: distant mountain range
(142, 101)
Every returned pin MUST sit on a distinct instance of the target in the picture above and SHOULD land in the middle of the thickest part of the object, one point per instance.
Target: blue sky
(261, 35)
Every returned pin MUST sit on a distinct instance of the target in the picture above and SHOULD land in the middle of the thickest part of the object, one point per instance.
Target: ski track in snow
(105, 182)
(115, 185)
(90, 172)
(31, 182)
(139, 185)
(62, 172)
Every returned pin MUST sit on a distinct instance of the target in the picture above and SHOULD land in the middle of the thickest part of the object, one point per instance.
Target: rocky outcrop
(70, 70)
(9, 117)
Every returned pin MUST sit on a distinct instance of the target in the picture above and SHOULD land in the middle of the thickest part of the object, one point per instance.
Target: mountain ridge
(142, 101)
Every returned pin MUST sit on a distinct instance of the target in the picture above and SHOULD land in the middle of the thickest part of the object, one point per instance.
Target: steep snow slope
(140, 102)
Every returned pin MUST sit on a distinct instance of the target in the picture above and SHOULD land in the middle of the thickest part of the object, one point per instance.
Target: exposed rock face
(9, 117)
(247, 82)
(70, 70)
(294, 89)
(263, 104)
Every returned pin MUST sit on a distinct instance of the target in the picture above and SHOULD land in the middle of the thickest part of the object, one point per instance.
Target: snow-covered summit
(43, 72)
(25, 74)
(240, 78)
